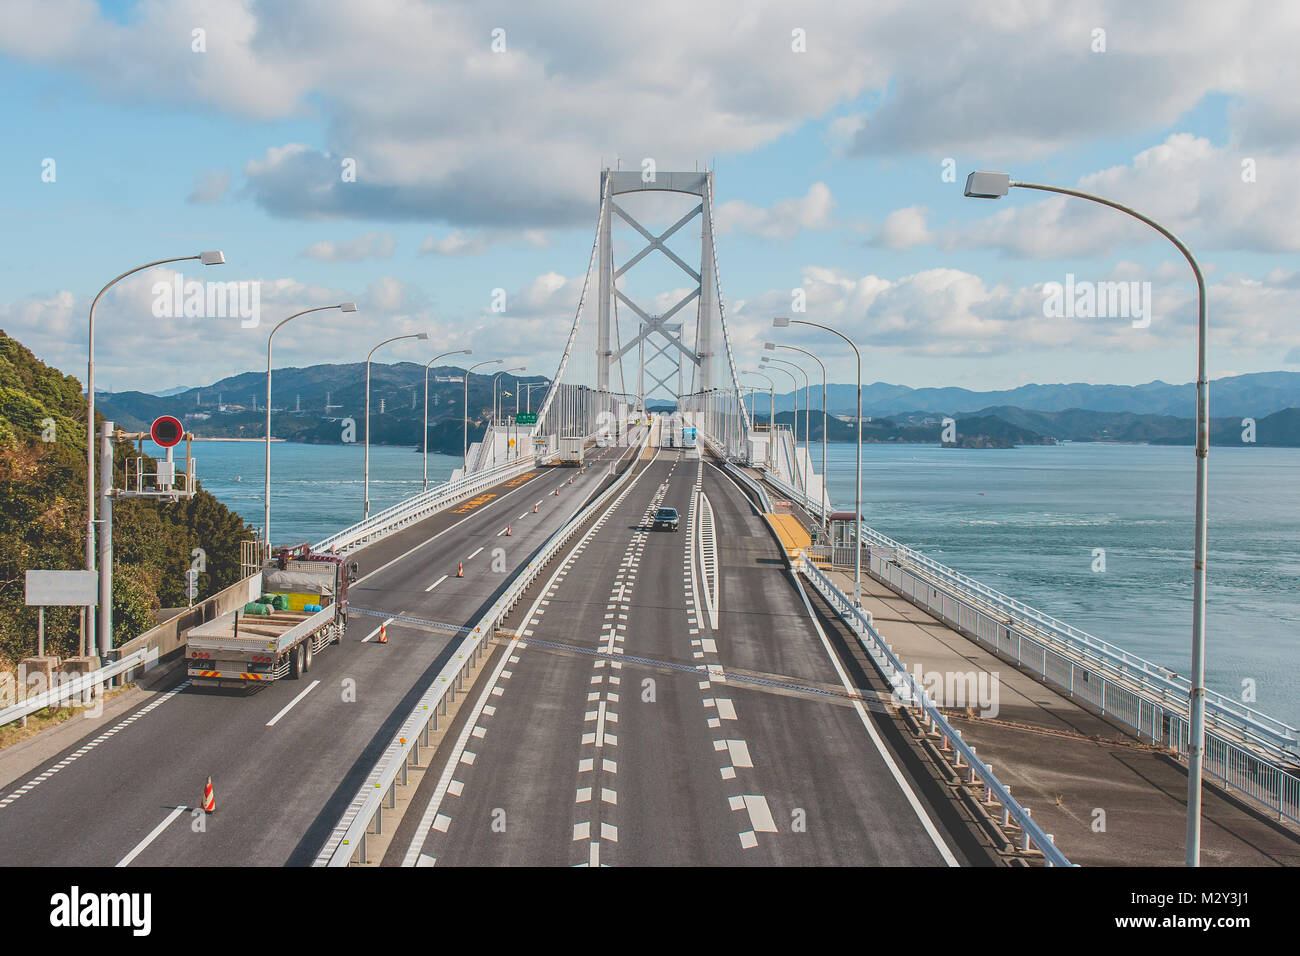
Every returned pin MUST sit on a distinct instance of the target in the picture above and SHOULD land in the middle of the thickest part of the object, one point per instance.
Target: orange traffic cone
(556, 492)
(209, 799)
(570, 481)
(460, 570)
(534, 509)
(383, 634)
(507, 531)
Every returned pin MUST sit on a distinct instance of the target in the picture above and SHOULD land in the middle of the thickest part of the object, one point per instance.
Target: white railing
(1251, 756)
(910, 693)
(418, 507)
(347, 841)
(71, 689)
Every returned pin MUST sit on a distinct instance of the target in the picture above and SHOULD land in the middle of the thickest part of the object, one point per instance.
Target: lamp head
(347, 307)
(781, 322)
(987, 185)
(422, 336)
(212, 257)
(770, 346)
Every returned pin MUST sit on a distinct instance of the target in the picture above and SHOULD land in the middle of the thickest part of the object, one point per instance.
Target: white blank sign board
(55, 588)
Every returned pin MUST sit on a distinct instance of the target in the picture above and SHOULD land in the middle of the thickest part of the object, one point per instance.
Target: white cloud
(372, 245)
(1185, 183)
(905, 228)
(458, 243)
(784, 220)
(949, 312)
(210, 187)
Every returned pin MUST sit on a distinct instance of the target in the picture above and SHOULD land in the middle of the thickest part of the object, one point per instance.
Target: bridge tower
(680, 347)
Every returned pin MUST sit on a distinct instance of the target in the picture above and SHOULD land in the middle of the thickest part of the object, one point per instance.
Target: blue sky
(827, 163)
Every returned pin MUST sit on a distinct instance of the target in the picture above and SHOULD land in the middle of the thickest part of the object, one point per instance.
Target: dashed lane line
(86, 748)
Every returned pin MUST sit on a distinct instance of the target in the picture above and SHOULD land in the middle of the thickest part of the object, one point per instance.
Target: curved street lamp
(781, 322)
(266, 503)
(496, 408)
(464, 462)
(211, 257)
(822, 365)
(771, 415)
(426, 407)
(807, 435)
(413, 335)
(994, 185)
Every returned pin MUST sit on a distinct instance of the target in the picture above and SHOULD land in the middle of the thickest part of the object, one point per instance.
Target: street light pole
(212, 257)
(266, 502)
(781, 322)
(464, 461)
(794, 348)
(994, 185)
(795, 424)
(365, 513)
(496, 406)
(807, 439)
(771, 415)
(426, 407)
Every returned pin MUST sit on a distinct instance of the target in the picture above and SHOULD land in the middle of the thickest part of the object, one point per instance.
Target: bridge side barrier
(1254, 727)
(910, 693)
(418, 507)
(73, 689)
(1255, 768)
(347, 841)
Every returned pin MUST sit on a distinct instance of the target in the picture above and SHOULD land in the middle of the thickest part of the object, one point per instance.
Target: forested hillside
(42, 516)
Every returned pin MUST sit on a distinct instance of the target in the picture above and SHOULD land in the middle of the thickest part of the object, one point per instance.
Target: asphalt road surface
(623, 728)
(286, 758)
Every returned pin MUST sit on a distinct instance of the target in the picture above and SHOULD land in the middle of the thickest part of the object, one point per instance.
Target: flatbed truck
(242, 648)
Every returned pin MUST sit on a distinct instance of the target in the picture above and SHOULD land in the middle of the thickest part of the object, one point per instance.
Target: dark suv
(665, 518)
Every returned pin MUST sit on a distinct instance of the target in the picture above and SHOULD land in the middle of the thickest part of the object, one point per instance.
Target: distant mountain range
(1254, 396)
(310, 401)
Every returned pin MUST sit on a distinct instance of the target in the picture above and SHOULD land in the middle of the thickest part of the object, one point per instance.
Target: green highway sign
(526, 418)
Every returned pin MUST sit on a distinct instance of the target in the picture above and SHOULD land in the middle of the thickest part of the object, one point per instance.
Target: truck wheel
(295, 662)
(307, 653)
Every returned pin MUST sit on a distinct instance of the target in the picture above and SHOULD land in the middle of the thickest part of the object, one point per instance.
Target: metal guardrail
(759, 491)
(64, 691)
(380, 788)
(911, 693)
(1223, 713)
(1163, 722)
(418, 507)
(1257, 770)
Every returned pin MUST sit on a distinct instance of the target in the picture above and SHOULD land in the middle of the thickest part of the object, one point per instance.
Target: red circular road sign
(166, 431)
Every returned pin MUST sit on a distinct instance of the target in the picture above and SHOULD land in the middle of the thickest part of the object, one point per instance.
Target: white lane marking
(435, 584)
(738, 750)
(431, 814)
(426, 860)
(522, 516)
(153, 835)
(86, 748)
(478, 512)
(473, 555)
(289, 706)
(928, 824)
(377, 630)
(760, 814)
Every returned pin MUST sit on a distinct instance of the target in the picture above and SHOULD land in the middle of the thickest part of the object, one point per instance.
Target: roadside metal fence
(1246, 751)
